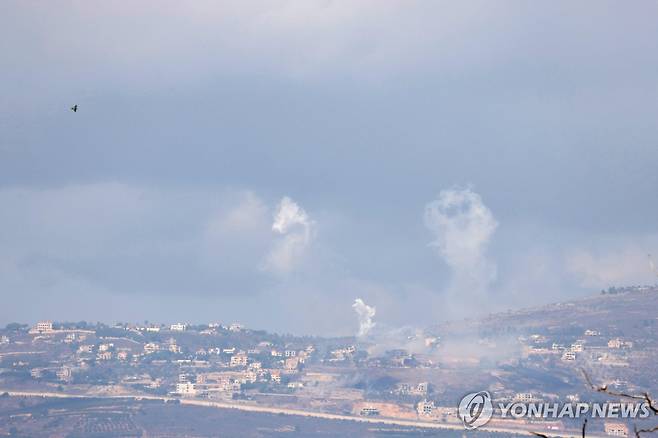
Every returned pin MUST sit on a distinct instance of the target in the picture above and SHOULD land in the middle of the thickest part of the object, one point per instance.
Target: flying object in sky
(74, 108)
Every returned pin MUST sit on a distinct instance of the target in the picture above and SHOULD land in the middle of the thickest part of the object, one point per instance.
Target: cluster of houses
(570, 352)
(216, 369)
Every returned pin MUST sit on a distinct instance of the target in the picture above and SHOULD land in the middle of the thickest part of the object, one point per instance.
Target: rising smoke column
(364, 313)
(296, 230)
(462, 226)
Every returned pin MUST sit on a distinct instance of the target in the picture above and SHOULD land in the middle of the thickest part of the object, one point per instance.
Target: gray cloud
(196, 118)
(618, 262)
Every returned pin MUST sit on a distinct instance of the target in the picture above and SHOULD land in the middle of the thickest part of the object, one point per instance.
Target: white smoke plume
(364, 313)
(463, 226)
(297, 231)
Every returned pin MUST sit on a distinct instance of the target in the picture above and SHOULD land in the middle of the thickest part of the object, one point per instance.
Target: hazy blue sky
(432, 158)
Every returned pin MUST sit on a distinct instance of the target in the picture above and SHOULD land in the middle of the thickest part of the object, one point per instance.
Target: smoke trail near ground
(297, 231)
(365, 314)
(463, 226)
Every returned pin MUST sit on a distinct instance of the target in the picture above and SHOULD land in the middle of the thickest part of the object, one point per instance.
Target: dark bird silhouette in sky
(74, 108)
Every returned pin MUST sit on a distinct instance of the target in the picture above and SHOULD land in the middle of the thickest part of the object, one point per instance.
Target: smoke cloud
(463, 226)
(364, 313)
(297, 232)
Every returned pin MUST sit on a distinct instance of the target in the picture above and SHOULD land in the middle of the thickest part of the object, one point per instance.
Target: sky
(272, 162)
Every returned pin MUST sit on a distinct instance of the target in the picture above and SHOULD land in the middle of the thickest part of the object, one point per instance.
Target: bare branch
(604, 389)
(639, 431)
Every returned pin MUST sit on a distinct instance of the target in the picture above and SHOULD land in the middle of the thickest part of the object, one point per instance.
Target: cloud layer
(196, 119)
(618, 263)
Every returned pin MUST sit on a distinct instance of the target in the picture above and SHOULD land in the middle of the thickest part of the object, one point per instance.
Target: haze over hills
(404, 376)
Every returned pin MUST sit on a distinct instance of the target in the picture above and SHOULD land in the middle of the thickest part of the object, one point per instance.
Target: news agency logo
(475, 409)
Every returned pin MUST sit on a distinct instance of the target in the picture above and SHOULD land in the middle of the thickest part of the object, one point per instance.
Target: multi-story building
(151, 348)
(425, 408)
(615, 343)
(64, 374)
(523, 397)
(616, 429)
(569, 356)
(239, 360)
(105, 347)
(186, 389)
(178, 327)
(85, 349)
(42, 327)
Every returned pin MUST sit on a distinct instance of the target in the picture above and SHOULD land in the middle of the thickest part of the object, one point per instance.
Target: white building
(42, 327)
(523, 397)
(186, 389)
(64, 374)
(569, 356)
(615, 343)
(105, 347)
(178, 327)
(235, 327)
(239, 360)
(151, 348)
(616, 429)
(425, 408)
(85, 349)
